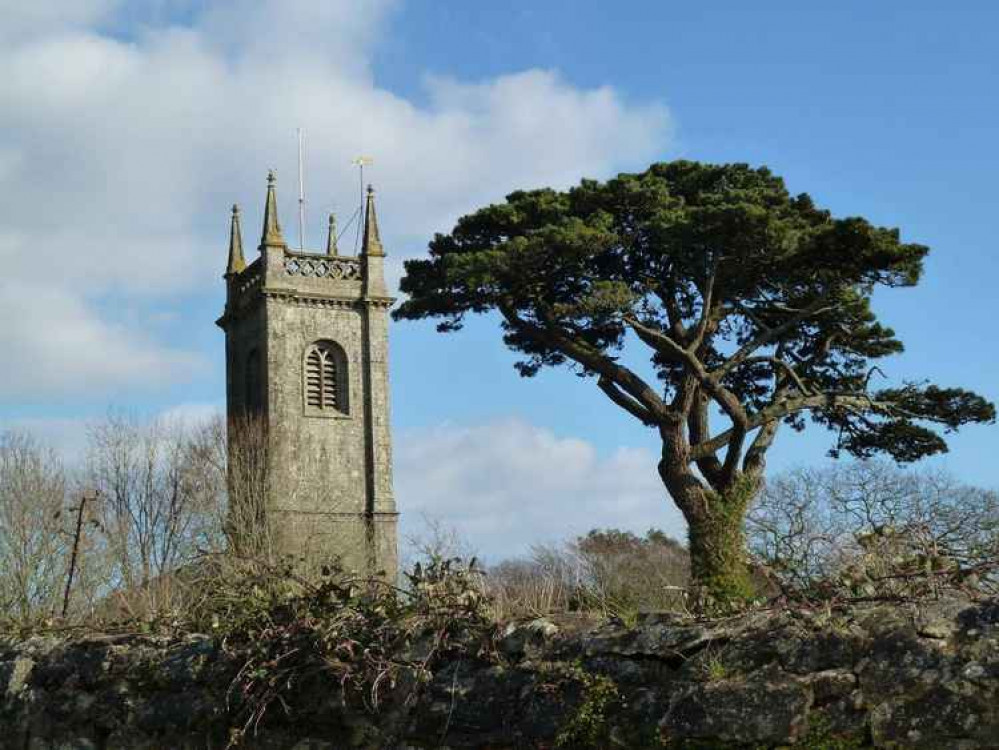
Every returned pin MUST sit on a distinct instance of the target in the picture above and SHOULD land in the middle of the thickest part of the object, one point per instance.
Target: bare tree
(872, 528)
(159, 503)
(794, 530)
(163, 493)
(33, 551)
(436, 539)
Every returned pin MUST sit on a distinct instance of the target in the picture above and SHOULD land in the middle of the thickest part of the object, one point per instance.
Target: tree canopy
(746, 297)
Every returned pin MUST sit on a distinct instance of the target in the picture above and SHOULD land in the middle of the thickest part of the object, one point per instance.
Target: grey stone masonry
(917, 675)
(307, 359)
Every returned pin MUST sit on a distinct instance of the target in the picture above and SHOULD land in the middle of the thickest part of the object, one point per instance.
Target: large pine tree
(751, 302)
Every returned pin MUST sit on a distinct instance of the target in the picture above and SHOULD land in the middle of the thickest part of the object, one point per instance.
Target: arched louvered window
(326, 378)
(254, 383)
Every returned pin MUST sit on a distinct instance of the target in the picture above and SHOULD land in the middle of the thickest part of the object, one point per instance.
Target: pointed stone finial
(271, 236)
(237, 263)
(331, 248)
(372, 242)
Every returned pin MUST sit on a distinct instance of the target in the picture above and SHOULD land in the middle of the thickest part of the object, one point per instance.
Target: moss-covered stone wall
(900, 676)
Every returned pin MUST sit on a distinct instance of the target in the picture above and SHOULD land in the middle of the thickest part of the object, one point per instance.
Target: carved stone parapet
(322, 266)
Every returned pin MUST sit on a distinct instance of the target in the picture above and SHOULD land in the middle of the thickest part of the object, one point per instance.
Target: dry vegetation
(870, 530)
(135, 527)
(166, 514)
(607, 571)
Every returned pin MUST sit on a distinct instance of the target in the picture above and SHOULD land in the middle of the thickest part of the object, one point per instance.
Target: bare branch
(769, 335)
(707, 297)
(783, 365)
(870, 374)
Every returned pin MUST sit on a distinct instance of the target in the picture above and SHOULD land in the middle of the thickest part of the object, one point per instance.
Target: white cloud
(58, 344)
(119, 155)
(26, 19)
(67, 437)
(505, 485)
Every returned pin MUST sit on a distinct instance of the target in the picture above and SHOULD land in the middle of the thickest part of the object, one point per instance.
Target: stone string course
(902, 676)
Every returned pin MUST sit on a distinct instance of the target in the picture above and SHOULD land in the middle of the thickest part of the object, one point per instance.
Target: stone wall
(901, 676)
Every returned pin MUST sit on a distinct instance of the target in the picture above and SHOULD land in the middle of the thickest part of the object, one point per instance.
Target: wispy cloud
(121, 151)
(507, 484)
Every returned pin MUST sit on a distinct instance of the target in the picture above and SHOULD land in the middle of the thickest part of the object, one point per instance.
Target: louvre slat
(322, 377)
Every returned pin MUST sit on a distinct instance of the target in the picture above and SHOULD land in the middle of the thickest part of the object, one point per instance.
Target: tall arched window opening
(326, 378)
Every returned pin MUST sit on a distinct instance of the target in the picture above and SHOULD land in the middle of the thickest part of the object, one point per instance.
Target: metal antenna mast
(301, 196)
(360, 162)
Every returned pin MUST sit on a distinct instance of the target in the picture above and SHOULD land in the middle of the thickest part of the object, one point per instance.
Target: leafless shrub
(873, 529)
(435, 539)
(794, 531)
(241, 447)
(551, 579)
(607, 571)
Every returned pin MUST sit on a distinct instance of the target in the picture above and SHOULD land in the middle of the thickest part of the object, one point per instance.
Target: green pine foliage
(750, 303)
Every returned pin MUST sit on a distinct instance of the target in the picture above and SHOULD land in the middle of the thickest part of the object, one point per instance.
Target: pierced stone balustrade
(322, 266)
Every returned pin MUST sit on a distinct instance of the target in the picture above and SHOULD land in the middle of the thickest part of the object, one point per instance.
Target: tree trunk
(716, 540)
(717, 553)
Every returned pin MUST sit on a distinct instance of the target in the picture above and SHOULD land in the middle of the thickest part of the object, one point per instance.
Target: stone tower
(306, 339)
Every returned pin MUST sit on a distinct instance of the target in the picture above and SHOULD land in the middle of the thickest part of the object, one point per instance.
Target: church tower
(306, 338)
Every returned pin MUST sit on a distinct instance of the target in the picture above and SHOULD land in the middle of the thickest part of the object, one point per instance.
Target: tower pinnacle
(331, 248)
(271, 235)
(236, 261)
(372, 242)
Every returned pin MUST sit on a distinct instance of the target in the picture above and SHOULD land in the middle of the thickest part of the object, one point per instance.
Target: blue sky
(882, 110)
(130, 129)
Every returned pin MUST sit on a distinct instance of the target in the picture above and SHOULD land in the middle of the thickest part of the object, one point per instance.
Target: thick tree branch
(685, 356)
(786, 407)
(707, 297)
(698, 427)
(626, 402)
(861, 403)
(756, 457)
(668, 297)
(755, 460)
(663, 344)
(590, 358)
(736, 439)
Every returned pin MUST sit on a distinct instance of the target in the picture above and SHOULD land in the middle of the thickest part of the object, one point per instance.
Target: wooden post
(76, 547)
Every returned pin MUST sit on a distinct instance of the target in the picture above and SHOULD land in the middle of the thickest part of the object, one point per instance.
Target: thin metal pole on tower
(301, 196)
(360, 162)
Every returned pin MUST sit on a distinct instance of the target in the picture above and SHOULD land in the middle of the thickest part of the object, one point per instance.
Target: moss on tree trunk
(717, 544)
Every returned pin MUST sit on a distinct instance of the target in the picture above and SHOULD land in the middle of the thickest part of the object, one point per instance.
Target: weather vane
(361, 162)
